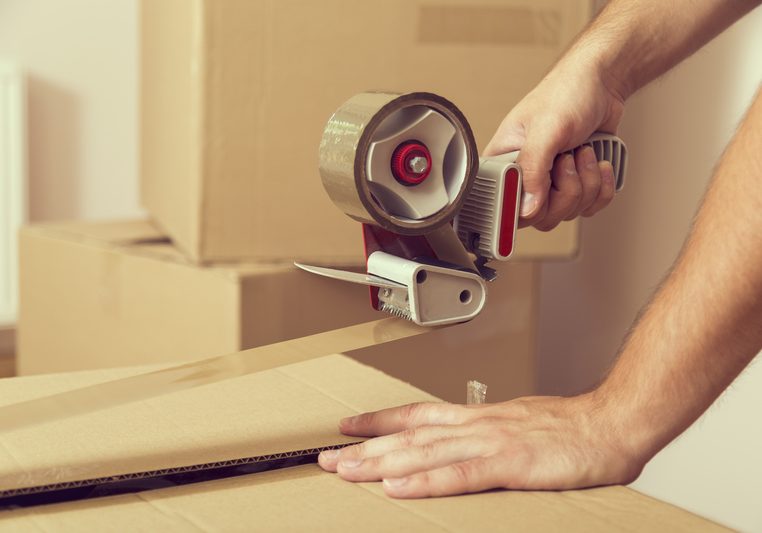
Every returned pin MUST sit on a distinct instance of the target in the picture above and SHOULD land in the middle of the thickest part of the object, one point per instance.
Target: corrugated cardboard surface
(98, 295)
(293, 407)
(235, 96)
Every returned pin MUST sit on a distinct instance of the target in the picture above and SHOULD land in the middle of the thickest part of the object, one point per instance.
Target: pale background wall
(81, 59)
(675, 129)
(81, 56)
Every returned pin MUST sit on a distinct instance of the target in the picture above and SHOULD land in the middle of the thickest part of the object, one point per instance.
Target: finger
(473, 475)
(408, 461)
(405, 417)
(564, 195)
(538, 214)
(608, 189)
(419, 436)
(536, 160)
(590, 176)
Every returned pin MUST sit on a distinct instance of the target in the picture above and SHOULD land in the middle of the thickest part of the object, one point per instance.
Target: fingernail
(528, 204)
(329, 455)
(350, 463)
(395, 482)
(588, 157)
(348, 421)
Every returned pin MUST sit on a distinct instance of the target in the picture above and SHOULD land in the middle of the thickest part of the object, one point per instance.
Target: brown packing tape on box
(204, 372)
(67, 406)
(290, 407)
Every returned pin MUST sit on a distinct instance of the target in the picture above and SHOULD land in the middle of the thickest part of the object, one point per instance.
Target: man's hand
(629, 44)
(552, 119)
(437, 449)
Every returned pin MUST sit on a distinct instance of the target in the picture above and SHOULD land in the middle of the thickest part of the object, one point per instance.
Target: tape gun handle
(607, 147)
(487, 221)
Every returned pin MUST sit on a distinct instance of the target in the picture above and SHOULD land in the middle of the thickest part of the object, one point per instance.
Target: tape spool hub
(416, 164)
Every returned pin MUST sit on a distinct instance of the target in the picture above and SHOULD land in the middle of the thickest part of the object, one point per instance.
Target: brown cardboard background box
(235, 95)
(97, 295)
(288, 408)
(111, 294)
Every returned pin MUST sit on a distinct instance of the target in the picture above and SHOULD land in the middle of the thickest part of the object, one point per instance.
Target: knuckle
(354, 450)
(428, 450)
(454, 413)
(424, 480)
(366, 419)
(574, 191)
(592, 180)
(411, 412)
(462, 472)
(372, 463)
(408, 437)
(518, 409)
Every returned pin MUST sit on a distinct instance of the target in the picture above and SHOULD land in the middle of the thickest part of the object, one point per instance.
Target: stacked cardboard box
(234, 98)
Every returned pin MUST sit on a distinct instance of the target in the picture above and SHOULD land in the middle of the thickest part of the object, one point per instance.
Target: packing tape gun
(433, 213)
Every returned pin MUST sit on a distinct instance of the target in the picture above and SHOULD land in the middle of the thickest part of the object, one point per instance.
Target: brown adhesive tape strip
(344, 151)
(204, 372)
(447, 247)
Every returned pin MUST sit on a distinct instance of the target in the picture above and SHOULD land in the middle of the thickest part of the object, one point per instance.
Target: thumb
(536, 160)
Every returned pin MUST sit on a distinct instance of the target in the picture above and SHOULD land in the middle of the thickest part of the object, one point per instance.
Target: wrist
(600, 63)
(626, 434)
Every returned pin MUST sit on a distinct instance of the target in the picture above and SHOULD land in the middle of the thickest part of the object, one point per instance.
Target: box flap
(142, 238)
(111, 232)
(289, 407)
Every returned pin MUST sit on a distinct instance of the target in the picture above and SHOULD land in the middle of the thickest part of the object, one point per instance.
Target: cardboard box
(289, 408)
(96, 295)
(235, 96)
(121, 285)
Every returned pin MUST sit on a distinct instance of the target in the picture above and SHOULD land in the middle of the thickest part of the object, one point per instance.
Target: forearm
(632, 43)
(704, 325)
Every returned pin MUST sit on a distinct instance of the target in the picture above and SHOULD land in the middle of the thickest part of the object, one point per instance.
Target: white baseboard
(13, 190)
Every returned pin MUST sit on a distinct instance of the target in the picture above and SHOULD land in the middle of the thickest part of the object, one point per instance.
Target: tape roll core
(349, 137)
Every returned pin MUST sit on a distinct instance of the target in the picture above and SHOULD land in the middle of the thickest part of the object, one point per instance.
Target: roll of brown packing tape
(404, 162)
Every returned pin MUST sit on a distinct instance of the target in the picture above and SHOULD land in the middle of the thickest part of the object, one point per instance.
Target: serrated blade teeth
(396, 311)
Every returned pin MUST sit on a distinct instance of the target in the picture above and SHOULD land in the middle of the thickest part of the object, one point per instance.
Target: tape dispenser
(433, 213)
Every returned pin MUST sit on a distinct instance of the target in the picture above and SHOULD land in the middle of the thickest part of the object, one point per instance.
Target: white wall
(675, 129)
(81, 59)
